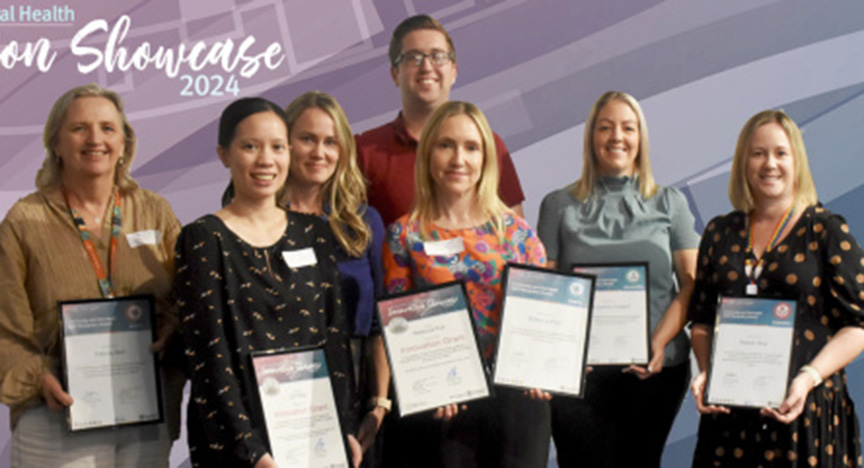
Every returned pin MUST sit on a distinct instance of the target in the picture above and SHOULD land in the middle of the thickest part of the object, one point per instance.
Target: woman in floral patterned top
(459, 215)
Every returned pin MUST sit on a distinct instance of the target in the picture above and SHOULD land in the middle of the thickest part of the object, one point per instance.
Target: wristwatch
(385, 403)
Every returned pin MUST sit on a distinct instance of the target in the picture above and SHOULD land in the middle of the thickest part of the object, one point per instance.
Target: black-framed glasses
(416, 59)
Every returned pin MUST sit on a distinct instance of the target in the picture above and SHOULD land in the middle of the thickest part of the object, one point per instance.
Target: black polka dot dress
(821, 265)
(235, 299)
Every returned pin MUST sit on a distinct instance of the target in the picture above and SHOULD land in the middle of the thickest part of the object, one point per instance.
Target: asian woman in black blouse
(252, 277)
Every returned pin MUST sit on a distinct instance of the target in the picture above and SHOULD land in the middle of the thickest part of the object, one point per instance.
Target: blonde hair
(345, 190)
(584, 186)
(52, 167)
(487, 187)
(740, 194)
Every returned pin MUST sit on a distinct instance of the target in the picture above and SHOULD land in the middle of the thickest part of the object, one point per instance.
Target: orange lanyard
(103, 277)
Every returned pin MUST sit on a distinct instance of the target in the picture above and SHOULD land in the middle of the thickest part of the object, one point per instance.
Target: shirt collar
(617, 184)
(402, 131)
(325, 208)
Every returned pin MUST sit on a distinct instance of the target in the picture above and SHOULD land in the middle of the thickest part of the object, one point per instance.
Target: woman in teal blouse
(615, 212)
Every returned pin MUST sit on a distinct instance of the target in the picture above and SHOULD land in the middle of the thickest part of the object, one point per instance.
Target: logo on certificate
(398, 325)
(270, 386)
(453, 377)
(320, 447)
(782, 311)
(633, 276)
(577, 289)
(134, 313)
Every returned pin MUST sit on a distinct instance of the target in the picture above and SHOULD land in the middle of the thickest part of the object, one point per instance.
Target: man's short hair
(416, 23)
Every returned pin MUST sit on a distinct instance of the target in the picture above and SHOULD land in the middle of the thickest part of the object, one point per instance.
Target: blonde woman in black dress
(780, 243)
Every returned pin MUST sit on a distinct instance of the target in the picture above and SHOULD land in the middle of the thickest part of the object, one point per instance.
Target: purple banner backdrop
(700, 70)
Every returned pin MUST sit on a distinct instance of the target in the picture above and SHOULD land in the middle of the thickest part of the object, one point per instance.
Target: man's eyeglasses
(416, 58)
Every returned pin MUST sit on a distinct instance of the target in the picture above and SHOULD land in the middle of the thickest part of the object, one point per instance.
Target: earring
(121, 161)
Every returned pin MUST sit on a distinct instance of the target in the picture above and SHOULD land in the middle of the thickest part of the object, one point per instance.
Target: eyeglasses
(416, 58)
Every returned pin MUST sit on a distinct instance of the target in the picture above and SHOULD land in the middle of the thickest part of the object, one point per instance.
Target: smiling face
(770, 165)
(616, 139)
(456, 161)
(258, 156)
(427, 85)
(90, 140)
(314, 148)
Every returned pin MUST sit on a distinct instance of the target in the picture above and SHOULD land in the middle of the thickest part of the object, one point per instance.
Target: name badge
(300, 258)
(444, 248)
(137, 239)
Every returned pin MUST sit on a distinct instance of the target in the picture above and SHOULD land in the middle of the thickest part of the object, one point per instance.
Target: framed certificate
(300, 413)
(545, 321)
(108, 367)
(751, 352)
(432, 346)
(620, 328)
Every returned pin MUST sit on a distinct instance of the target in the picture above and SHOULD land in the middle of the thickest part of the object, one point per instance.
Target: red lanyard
(753, 266)
(103, 277)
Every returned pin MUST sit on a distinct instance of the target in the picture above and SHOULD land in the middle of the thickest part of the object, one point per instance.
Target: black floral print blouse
(234, 299)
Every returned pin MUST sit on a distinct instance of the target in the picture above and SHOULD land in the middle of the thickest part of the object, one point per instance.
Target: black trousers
(623, 422)
(509, 430)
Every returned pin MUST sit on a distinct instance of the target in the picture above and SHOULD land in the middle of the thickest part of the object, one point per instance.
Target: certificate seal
(134, 313)
(398, 325)
(270, 386)
(782, 311)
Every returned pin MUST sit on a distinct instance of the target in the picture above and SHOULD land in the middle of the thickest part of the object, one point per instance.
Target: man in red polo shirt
(423, 67)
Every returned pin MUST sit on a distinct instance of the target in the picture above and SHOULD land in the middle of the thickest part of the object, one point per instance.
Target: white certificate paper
(544, 330)
(619, 320)
(299, 409)
(108, 366)
(750, 353)
(432, 346)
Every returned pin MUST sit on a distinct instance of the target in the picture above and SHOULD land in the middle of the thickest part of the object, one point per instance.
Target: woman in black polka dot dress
(779, 243)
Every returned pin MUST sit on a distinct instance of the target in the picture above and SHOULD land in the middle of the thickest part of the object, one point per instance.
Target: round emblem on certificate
(782, 311)
(398, 325)
(633, 276)
(270, 386)
(134, 313)
(577, 289)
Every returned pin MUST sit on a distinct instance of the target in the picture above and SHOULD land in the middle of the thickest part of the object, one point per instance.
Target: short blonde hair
(487, 187)
(740, 194)
(52, 167)
(584, 187)
(345, 191)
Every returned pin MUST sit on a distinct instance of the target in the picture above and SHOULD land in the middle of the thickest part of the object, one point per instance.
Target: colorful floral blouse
(480, 264)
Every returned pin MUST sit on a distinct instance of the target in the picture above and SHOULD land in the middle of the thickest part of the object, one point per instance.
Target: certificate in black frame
(116, 314)
(647, 279)
(505, 282)
(789, 312)
(258, 401)
(419, 292)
